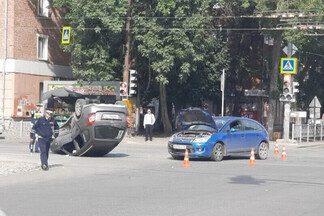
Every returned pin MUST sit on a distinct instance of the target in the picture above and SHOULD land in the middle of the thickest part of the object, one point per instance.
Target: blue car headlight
(171, 138)
(201, 139)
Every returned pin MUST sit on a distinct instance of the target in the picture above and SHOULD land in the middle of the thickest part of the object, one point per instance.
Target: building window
(43, 8)
(42, 47)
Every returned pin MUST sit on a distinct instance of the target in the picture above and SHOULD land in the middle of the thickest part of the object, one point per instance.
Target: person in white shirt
(149, 120)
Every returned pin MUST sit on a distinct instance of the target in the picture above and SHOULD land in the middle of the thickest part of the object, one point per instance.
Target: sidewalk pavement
(164, 141)
(298, 144)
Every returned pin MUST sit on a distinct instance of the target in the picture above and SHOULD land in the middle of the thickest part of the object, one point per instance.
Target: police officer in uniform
(47, 129)
(35, 114)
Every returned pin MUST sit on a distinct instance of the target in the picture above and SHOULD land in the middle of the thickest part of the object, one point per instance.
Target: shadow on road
(245, 179)
(114, 155)
(224, 159)
(55, 165)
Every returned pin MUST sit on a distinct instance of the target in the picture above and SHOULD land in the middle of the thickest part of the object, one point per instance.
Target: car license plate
(110, 116)
(179, 146)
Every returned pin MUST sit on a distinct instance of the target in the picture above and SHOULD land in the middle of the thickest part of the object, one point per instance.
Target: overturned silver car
(93, 130)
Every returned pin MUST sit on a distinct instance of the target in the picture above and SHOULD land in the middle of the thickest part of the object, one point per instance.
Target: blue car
(215, 137)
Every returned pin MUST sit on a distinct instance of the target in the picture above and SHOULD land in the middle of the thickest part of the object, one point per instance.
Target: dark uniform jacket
(45, 128)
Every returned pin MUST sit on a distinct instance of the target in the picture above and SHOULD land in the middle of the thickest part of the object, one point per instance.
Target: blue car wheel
(263, 151)
(218, 152)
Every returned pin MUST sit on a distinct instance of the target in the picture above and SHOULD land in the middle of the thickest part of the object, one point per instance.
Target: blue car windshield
(201, 127)
(220, 123)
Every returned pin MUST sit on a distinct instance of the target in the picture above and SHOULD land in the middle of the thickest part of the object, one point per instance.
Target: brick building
(30, 53)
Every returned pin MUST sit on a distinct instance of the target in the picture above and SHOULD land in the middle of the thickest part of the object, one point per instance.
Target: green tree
(179, 46)
(176, 37)
(97, 37)
(309, 40)
(274, 16)
(245, 45)
(312, 10)
(179, 40)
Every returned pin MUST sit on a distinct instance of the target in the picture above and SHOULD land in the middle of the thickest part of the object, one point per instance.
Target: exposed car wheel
(78, 107)
(218, 152)
(263, 150)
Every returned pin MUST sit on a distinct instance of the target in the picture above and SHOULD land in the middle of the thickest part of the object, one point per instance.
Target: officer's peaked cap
(50, 111)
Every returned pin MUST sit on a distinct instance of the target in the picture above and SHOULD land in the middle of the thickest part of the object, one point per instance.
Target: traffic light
(295, 87)
(287, 94)
(132, 82)
(123, 89)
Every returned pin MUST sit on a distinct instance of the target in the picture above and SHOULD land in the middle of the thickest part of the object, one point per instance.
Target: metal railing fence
(307, 132)
(17, 128)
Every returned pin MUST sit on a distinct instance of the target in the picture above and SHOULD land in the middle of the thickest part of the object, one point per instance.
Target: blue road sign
(288, 66)
(66, 33)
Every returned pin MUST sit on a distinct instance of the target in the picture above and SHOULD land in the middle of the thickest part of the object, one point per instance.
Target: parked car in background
(93, 130)
(215, 137)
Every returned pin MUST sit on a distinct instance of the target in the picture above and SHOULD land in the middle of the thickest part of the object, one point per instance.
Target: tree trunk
(167, 128)
(273, 90)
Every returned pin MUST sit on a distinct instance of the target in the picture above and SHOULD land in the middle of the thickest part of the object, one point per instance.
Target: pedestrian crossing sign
(66, 33)
(288, 66)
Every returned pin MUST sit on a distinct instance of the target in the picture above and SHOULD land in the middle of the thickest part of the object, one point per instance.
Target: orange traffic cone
(283, 154)
(276, 150)
(252, 157)
(186, 162)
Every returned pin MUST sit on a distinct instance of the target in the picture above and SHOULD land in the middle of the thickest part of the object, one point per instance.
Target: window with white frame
(43, 8)
(42, 47)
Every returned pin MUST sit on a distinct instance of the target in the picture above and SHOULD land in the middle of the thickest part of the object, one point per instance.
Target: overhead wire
(257, 15)
(171, 29)
(273, 16)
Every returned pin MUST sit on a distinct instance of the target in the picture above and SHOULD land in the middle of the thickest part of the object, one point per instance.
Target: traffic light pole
(223, 89)
(287, 108)
(287, 104)
(127, 48)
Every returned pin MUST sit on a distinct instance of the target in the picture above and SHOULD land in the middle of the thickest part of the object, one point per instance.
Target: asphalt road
(140, 178)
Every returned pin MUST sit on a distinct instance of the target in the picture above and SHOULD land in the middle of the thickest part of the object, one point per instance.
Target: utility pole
(127, 46)
(4, 60)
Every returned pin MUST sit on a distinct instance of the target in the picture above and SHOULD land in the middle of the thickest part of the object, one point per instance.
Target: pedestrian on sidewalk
(47, 129)
(149, 120)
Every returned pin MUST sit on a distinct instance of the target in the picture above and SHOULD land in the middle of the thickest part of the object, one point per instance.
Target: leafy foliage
(179, 40)
(97, 37)
(181, 44)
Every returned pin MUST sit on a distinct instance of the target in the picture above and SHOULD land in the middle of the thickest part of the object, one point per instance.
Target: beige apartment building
(30, 53)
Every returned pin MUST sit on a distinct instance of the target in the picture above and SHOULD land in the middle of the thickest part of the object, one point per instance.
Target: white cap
(49, 111)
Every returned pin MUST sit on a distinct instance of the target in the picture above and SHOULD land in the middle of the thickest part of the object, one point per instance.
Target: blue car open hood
(195, 116)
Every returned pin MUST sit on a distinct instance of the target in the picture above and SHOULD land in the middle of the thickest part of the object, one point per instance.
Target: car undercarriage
(93, 130)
